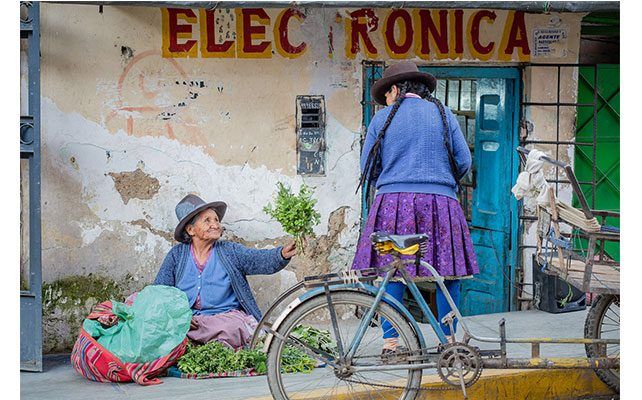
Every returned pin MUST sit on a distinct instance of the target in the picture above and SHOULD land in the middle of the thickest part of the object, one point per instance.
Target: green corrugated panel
(607, 193)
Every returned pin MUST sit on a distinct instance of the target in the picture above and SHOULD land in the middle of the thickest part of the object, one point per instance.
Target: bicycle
(352, 361)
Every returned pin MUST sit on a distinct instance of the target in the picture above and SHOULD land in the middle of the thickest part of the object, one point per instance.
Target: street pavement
(60, 381)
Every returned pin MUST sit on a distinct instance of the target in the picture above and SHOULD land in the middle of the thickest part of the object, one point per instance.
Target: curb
(500, 384)
(522, 384)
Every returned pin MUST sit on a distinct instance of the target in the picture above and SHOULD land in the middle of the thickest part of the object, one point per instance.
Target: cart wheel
(603, 322)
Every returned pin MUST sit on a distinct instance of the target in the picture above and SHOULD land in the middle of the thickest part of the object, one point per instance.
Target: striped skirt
(450, 249)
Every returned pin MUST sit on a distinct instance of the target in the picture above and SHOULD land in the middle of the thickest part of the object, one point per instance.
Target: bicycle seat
(400, 241)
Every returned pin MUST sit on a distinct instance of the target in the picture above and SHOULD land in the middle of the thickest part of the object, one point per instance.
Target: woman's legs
(390, 335)
(233, 328)
(396, 290)
(453, 286)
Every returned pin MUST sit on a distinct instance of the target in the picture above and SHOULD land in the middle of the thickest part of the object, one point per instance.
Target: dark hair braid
(449, 150)
(372, 169)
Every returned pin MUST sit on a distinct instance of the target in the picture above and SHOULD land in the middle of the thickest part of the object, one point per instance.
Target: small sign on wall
(310, 132)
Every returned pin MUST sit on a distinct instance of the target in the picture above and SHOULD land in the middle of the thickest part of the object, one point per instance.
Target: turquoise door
(484, 101)
(490, 228)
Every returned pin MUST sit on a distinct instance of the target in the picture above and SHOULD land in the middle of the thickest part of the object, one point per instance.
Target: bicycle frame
(346, 353)
(324, 286)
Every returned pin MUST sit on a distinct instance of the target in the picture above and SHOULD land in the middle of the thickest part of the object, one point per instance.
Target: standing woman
(416, 153)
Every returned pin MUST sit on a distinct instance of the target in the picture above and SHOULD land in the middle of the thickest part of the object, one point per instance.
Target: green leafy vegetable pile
(295, 213)
(295, 360)
(214, 357)
(316, 338)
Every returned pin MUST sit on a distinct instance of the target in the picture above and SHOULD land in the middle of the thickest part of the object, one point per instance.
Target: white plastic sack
(531, 184)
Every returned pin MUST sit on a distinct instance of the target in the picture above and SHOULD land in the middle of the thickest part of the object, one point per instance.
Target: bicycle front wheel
(323, 380)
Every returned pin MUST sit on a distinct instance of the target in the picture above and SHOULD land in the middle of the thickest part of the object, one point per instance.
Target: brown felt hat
(189, 207)
(406, 70)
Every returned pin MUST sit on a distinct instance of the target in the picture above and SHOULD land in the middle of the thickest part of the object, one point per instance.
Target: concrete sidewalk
(60, 381)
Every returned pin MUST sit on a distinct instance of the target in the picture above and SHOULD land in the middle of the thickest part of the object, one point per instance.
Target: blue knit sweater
(413, 155)
(238, 262)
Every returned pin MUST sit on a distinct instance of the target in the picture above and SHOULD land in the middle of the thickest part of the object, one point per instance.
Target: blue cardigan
(413, 156)
(238, 262)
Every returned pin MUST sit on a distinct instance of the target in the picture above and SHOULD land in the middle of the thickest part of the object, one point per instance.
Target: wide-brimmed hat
(189, 207)
(406, 70)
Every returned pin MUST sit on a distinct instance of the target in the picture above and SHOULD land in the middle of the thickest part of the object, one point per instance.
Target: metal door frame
(31, 299)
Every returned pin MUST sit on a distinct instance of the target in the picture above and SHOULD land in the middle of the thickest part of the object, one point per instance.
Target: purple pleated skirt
(450, 249)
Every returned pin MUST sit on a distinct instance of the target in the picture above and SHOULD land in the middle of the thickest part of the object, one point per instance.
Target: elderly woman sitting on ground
(212, 273)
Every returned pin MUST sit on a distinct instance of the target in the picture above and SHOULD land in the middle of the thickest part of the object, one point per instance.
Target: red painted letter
(248, 31)
(405, 30)
(283, 45)
(458, 33)
(177, 31)
(474, 31)
(428, 30)
(209, 47)
(517, 36)
(357, 27)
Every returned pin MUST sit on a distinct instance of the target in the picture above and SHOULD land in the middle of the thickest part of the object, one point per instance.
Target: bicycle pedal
(389, 356)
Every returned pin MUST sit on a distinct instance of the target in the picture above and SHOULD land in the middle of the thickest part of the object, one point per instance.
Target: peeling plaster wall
(114, 166)
(127, 133)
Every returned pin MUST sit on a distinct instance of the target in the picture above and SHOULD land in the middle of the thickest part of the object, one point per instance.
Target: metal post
(502, 338)
(31, 299)
(594, 176)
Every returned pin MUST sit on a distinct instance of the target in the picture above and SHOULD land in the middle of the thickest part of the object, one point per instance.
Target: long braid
(372, 167)
(451, 157)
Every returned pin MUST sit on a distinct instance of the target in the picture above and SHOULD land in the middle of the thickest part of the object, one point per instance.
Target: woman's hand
(288, 251)
(193, 324)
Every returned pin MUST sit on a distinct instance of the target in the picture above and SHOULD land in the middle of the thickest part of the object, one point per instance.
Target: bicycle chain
(401, 356)
(401, 387)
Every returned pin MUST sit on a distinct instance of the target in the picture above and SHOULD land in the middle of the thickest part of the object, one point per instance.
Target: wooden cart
(589, 269)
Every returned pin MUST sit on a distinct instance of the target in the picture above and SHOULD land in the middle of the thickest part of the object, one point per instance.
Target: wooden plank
(604, 279)
(596, 281)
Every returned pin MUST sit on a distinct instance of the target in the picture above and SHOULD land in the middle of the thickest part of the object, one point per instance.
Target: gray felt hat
(189, 207)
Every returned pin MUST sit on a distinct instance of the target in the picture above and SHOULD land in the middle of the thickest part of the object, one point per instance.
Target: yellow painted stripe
(495, 385)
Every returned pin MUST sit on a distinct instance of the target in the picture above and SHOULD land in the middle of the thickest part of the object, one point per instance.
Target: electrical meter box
(310, 133)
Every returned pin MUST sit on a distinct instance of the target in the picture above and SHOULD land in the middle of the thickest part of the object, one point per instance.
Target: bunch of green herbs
(215, 357)
(315, 338)
(295, 213)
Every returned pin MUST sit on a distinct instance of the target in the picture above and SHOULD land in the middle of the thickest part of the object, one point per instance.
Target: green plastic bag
(152, 327)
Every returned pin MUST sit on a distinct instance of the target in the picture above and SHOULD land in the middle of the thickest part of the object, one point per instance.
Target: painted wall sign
(226, 34)
(429, 34)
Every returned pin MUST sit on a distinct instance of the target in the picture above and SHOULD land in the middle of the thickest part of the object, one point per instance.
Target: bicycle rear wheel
(603, 322)
(325, 381)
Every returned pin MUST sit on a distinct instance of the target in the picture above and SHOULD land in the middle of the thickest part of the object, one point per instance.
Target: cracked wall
(130, 133)
(135, 184)
(127, 133)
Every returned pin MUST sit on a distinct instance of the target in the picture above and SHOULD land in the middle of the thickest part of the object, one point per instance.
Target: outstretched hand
(288, 251)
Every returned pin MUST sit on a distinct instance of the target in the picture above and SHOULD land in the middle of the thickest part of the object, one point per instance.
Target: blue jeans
(396, 290)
